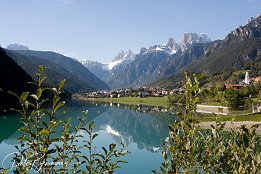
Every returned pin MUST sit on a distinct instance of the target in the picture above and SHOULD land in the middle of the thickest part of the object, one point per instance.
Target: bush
(48, 145)
(189, 149)
(176, 99)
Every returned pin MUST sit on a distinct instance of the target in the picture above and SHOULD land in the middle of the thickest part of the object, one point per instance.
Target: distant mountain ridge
(150, 64)
(17, 47)
(58, 67)
(122, 58)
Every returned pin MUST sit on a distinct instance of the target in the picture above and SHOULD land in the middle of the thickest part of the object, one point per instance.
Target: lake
(140, 128)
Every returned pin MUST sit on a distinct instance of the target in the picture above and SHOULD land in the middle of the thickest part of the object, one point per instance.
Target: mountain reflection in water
(139, 128)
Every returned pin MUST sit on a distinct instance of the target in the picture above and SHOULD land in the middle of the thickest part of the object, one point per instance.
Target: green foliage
(235, 100)
(259, 96)
(189, 149)
(135, 94)
(248, 102)
(250, 90)
(235, 118)
(177, 98)
(48, 145)
(212, 95)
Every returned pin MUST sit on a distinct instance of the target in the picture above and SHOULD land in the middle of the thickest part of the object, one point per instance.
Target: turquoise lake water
(141, 131)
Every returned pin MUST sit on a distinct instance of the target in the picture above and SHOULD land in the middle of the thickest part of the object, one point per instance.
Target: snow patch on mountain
(113, 64)
(121, 58)
(172, 47)
(159, 49)
(93, 64)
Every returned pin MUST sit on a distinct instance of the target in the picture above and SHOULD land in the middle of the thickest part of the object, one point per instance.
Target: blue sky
(100, 29)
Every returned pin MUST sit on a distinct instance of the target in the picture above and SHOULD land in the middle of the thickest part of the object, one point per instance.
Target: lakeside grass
(148, 101)
(235, 118)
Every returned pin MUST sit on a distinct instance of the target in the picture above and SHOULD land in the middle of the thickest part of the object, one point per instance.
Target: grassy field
(149, 101)
(207, 118)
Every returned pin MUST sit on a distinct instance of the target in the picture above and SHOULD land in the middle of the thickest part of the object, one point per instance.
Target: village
(245, 82)
(134, 92)
(146, 91)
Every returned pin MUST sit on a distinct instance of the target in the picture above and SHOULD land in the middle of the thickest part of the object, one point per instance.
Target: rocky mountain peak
(254, 22)
(170, 43)
(124, 55)
(86, 61)
(17, 47)
(249, 31)
(172, 47)
(121, 58)
(189, 39)
(143, 50)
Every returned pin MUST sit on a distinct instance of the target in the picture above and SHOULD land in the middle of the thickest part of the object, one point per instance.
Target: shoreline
(162, 102)
(148, 101)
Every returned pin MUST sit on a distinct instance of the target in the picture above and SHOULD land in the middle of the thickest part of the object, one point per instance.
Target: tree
(235, 100)
(259, 96)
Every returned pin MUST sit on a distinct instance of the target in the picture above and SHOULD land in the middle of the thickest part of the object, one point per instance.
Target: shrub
(189, 149)
(47, 144)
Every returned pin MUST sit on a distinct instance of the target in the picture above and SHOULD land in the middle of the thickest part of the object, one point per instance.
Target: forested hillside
(58, 67)
(12, 78)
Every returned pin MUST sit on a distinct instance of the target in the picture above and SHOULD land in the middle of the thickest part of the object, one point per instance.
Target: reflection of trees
(74, 110)
(147, 130)
(10, 123)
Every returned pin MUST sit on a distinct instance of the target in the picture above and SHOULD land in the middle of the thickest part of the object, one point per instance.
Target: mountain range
(159, 65)
(150, 64)
(163, 65)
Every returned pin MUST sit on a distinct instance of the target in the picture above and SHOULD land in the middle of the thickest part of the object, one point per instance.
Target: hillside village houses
(247, 80)
(159, 92)
(134, 92)
(221, 110)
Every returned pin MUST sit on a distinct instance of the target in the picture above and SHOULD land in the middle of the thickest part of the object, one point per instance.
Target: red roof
(258, 79)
